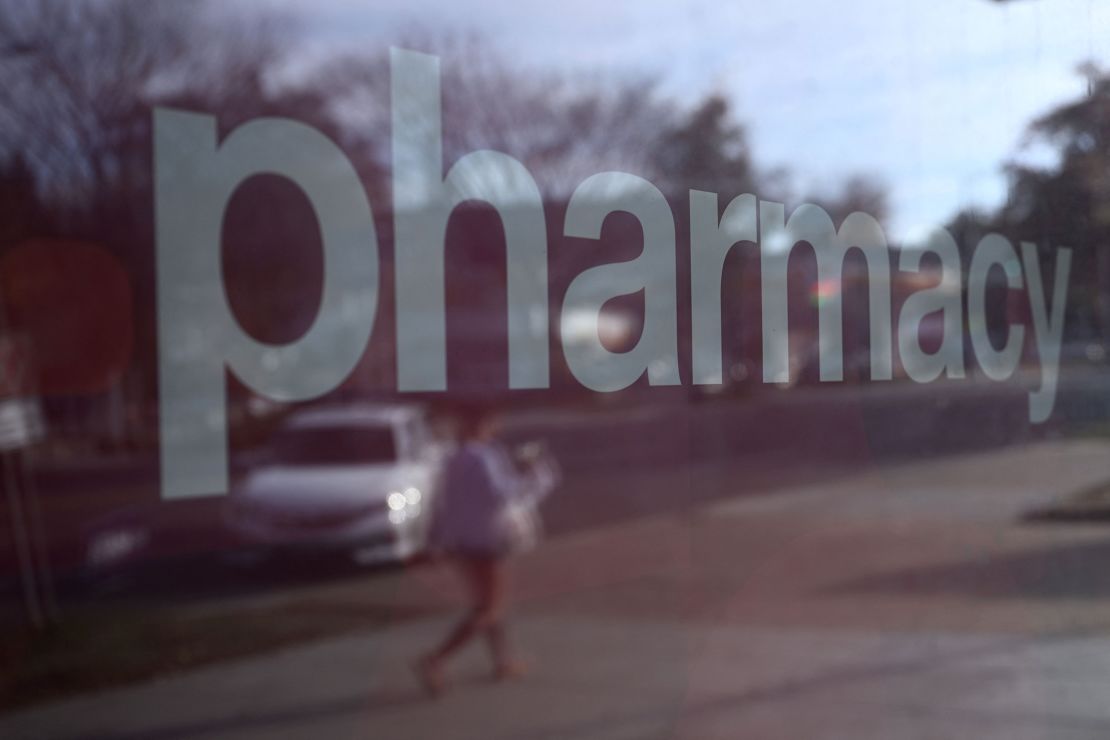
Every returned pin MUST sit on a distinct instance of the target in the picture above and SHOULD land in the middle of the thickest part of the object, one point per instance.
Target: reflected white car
(359, 478)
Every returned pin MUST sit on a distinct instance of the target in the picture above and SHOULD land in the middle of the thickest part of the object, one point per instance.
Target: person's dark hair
(471, 419)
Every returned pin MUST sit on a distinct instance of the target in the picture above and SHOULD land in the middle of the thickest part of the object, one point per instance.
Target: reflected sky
(931, 99)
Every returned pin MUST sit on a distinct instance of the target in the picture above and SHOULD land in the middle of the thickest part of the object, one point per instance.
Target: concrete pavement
(907, 601)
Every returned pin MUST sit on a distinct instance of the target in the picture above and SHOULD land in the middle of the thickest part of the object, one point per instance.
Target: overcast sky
(931, 97)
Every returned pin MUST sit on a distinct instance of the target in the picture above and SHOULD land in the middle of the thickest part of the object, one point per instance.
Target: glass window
(526, 370)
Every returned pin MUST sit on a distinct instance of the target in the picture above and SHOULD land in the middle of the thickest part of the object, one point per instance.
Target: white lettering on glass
(200, 339)
(198, 336)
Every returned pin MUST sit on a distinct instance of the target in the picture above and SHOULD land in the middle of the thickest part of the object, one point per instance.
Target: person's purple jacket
(480, 484)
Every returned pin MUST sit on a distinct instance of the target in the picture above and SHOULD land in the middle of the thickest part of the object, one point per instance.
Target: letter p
(198, 336)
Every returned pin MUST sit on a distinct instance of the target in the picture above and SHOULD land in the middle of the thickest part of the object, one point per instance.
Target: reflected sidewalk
(907, 601)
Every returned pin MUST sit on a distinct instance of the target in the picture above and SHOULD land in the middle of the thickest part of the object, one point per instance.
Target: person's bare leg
(496, 585)
(431, 667)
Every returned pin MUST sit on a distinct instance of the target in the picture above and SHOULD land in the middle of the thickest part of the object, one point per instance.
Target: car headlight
(404, 504)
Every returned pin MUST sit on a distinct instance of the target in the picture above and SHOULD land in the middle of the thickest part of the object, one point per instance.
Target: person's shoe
(430, 673)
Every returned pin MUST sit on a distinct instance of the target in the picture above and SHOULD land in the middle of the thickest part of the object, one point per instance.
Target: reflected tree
(1063, 203)
(81, 76)
(707, 150)
(80, 80)
(562, 127)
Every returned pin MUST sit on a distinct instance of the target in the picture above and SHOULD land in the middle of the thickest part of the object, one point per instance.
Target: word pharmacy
(200, 338)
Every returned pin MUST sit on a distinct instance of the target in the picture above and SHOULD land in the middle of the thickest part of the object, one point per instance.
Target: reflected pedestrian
(486, 513)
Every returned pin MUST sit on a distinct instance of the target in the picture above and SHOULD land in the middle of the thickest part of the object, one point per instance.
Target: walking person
(486, 513)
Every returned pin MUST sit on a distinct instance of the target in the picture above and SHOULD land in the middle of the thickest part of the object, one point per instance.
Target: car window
(336, 445)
